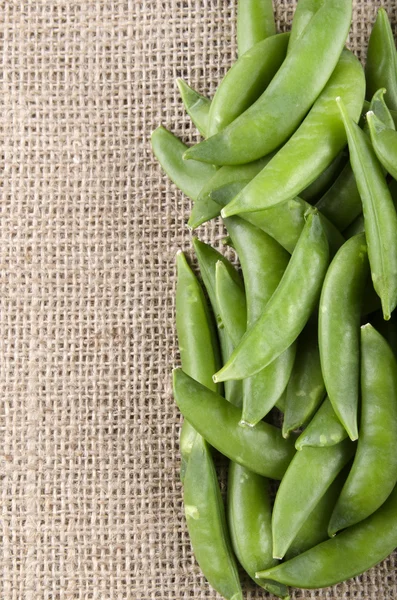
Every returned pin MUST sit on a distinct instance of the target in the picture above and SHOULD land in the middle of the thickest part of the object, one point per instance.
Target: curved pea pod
(261, 449)
(196, 105)
(197, 339)
(305, 389)
(289, 308)
(270, 121)
(324, 429)
(347, 555)
(207, 258)
(313, 146)
(311, 472)
(206, 522)
(339, 329)
(246, 80)
(384, 142)
(380, 216)
(381, 65)
(315, 529)
(255, 22)
(249, 520)
(232, 304)
(263, 262)
(374, 471)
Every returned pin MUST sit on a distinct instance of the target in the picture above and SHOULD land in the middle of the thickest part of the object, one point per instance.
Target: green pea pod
(263, 262)
(381, 66)
(207, 258)
(302, 76)
(324, 181)
(309, 475)
(283, 222)
(206, 522)
(355, 228)
(381, 110)
(197, 106)
(261, 449)
(313, 146)
(384, 142)
(246, 81)
(198, 343)
(379, 214)
(324, 429)
(347, 555)
(339, 329)
(255, 22)
(279, 326)
(305, 389)
(231, 303)
(249, 519)
(315, 529)
(374, 471)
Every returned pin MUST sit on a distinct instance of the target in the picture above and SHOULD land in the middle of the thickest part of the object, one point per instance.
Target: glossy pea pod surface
(374, 471)
(255, 22)
(261, 449)
(313, 146)
(206, 522)
(280, 109)
(279, 326)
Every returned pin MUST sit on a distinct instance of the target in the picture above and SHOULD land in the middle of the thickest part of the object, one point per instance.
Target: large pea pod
(206, 522)
(339, 329)
(374, 471)
(249, 519)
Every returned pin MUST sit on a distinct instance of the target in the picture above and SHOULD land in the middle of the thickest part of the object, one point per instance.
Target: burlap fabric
(89, 227)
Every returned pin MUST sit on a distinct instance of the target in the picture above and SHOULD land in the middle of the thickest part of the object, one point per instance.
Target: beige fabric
(89, 227)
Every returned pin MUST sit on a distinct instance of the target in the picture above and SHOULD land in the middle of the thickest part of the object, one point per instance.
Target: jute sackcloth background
(89, 227)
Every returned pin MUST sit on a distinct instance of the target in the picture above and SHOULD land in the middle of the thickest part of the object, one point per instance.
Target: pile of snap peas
(300, 161)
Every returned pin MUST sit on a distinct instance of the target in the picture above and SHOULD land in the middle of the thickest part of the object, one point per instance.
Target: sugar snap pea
(246, 80)
(379, 214)
(263, 262)
(305, 389)
(313, 146)
(197, 340)
(348, 554)
(232, 304)
(196, 105)
(381, 66)
(255, 22)
(374, 471)
(207, 258)
(278, 327)
(384, 142)
(261, 449)
(380, 108)
(249, 519)
(339, 329)
(298, 82)
(206, 522)
(324, 429)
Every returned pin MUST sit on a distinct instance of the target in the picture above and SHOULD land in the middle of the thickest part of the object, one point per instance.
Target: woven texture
(89, 228)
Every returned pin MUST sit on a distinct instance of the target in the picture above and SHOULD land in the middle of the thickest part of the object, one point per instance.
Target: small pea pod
(198, 343)
(279, 326)
(261, 449)
(246, 80)
(305, 389)
(302, 76)
(249, 520)
(197, 106)
(309, 475)
(232, 304)
(263, 262)
(324, 429)
(339, 329)
(379, 214)
(255, 22)
(374, 471)
(312, 148)
(206, 522)
(384, 142)
(207, 258)
(347, 555)
(381, 66)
